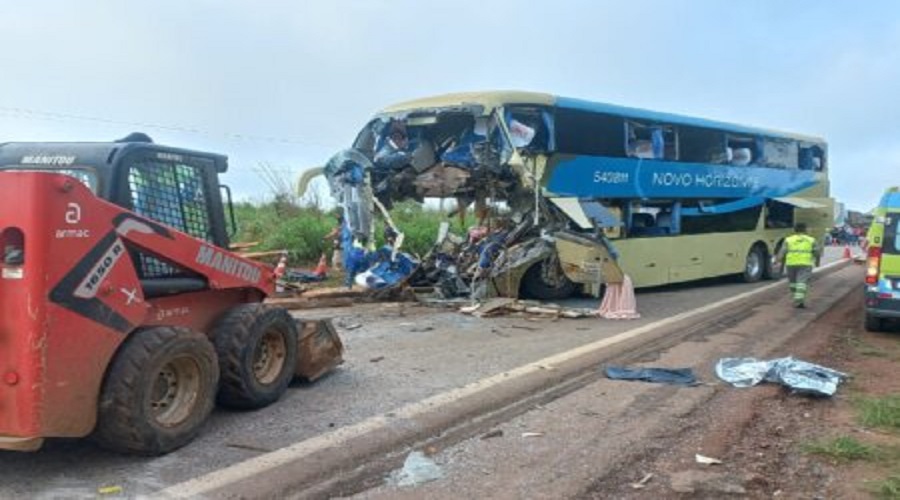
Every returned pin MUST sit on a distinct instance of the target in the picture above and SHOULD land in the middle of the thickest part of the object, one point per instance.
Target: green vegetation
(280, 225)
(880, 412)
(843, 448)
(887, 488)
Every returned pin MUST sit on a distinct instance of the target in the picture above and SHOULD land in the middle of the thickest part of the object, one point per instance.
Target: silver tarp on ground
(793, 373)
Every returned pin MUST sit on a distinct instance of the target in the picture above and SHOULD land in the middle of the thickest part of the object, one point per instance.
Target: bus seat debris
(800, 376)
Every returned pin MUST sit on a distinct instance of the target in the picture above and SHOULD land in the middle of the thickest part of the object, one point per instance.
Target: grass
(880, 412)
(888, 488)
(299, 230)
(843, 449)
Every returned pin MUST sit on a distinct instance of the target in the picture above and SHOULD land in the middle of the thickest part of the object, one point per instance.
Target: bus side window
(741, 151)
(811, 158)
(698, 145)
(652, 142)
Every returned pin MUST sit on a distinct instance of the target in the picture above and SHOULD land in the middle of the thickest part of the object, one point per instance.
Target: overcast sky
(287, 83)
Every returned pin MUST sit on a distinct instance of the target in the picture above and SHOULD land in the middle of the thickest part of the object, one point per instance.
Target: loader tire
(535, 285)
(158, 392)
(257, 348)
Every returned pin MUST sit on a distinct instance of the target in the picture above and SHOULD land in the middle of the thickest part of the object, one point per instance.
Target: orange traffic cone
(847, 252)
(322, 267)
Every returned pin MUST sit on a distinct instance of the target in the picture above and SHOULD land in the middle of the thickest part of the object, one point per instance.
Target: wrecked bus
(588, 192)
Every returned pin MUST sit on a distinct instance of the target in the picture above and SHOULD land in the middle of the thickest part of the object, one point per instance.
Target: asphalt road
(396, 354)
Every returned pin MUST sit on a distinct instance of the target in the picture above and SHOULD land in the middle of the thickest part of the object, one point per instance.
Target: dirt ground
(763, 434)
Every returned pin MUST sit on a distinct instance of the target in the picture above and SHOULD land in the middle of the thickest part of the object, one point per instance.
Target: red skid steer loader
(122, 313)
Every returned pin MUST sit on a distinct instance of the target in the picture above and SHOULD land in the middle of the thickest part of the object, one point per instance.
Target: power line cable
(27, 113)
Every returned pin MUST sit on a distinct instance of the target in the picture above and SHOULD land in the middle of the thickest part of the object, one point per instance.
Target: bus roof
(492, 99)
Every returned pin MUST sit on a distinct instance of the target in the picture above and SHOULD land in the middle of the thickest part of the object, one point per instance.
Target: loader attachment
(320, 349)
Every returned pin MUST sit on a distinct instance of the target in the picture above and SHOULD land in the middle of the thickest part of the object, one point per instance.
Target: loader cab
(177, 187)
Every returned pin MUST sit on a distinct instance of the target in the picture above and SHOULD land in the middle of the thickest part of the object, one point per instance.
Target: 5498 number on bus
(605, 177)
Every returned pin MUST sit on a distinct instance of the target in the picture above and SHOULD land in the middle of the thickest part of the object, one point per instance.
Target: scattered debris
(523, 327)
(109, 490)
(354, 326)
(376, 359)
(500, 306)
(682, 376)
(712, 484)
(532, 434)
(643, 482)
(706, 460)
(419, 329)
(493, 434)
(795, 374)
(417, 469)
(249, 447)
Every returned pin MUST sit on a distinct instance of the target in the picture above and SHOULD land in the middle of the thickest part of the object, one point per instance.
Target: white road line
(247, 469)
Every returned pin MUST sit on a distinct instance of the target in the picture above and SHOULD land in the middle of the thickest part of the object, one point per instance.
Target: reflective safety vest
(799, 250)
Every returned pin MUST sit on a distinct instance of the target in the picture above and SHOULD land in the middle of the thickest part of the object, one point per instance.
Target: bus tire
(873, 323)
(773, 271)
(257, 348)
(754, 264)
(536, 286)
(158, 392)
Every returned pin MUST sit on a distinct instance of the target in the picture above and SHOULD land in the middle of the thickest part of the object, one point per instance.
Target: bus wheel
(773, 271)
(755, 264)
(545, 281)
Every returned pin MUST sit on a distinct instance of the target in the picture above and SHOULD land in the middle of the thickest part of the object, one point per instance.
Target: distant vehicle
(883, 263)
(594, 189)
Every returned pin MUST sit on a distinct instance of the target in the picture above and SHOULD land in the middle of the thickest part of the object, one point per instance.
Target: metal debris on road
(801, 376)
(493, 434)
(643, 482)
(682, 376)
(706, 460)
(376, 359)
(532, 434)
(501, 306)
(417, 469)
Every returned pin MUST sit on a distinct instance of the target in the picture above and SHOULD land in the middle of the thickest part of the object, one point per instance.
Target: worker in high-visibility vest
(799, 253)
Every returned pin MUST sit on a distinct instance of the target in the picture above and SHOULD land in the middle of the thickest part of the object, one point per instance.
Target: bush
(300, 230)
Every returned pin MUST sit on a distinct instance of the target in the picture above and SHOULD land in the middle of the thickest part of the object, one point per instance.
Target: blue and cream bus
(595, 190)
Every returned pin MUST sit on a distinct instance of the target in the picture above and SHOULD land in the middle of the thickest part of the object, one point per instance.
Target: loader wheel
(257, 349)
(544, 282)
(158, 391)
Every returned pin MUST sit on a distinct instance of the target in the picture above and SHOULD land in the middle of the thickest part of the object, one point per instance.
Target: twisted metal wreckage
(479, 160)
